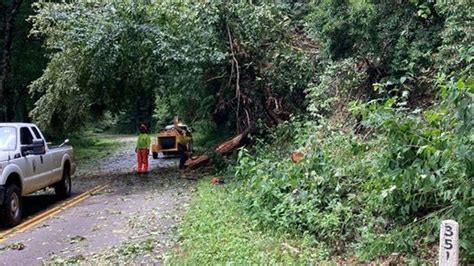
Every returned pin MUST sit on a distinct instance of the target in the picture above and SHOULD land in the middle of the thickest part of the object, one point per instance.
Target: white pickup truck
(28, 164)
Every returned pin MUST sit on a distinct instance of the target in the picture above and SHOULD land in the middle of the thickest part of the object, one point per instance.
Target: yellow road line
(49, 213)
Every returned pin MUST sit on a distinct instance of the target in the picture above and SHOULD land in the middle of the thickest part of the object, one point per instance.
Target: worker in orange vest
(143, 149)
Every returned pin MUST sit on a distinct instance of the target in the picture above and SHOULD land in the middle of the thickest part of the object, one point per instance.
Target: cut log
(197, 162)
(297, 156)
(225, 148)
(230, 145)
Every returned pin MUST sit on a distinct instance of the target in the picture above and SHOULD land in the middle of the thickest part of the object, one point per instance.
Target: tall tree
(9, 14)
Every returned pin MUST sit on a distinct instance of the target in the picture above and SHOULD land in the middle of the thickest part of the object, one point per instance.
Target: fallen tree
(225, 148)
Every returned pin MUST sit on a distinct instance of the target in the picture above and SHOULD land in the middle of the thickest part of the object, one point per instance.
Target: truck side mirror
(25, 150)
(37, 148)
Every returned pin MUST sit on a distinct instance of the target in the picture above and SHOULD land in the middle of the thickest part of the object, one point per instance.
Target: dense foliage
(389, 142)
(376, 193)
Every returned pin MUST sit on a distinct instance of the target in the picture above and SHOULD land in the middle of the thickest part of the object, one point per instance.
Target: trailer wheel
(155, 155)
(63, 187)
(12, 207)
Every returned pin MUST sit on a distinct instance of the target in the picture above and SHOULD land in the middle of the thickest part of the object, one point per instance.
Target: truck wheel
(12, 207)
(63, 187)
(155, 155)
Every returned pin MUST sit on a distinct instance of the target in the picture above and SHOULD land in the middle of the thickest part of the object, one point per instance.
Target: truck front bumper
(2, 194)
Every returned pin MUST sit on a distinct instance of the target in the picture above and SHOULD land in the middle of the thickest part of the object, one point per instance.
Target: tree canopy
(377, 95)
(220, 60)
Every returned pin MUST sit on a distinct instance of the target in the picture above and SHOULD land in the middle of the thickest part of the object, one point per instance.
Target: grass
(216, 230)
(90, 147)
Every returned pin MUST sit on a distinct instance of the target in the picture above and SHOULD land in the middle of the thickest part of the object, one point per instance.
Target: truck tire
(155, 155)
(63, 187)
(11, 210)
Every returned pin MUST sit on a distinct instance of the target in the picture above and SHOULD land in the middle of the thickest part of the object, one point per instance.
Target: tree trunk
(8, 28)
(225, 148)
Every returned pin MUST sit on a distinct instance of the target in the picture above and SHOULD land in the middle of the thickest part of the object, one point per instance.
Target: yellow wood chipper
(167, 141)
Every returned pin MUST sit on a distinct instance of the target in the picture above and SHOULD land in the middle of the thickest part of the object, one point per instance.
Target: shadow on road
(122, 183)
(37, 203)
(34, 204)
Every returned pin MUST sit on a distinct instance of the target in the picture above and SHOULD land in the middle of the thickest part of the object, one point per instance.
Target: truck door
(31, 164)
(45, 160)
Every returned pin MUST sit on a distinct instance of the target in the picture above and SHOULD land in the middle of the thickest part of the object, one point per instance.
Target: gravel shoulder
(132, 221)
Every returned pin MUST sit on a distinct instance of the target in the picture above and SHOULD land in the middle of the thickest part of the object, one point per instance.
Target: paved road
(132, 220)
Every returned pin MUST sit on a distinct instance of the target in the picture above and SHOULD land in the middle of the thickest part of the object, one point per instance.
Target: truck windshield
(7, 138)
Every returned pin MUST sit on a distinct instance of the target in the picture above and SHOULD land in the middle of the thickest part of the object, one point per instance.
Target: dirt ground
(133, 220)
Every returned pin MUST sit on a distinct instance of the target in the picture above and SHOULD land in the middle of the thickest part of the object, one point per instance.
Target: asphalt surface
(132, 221)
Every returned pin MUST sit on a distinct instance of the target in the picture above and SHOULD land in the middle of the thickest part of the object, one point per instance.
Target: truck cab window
(25, 136)
(8, 138)
(36, 132)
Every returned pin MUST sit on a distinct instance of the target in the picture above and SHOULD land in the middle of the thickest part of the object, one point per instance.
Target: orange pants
(142, 158)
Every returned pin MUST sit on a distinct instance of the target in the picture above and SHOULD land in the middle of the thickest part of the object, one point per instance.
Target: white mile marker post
(449, 243)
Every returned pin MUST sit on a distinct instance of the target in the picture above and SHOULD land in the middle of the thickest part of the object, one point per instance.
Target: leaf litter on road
(76, 239)
(14, 246)
(144, 219)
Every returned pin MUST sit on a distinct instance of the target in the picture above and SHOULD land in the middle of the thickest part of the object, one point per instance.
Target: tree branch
(237, 78)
